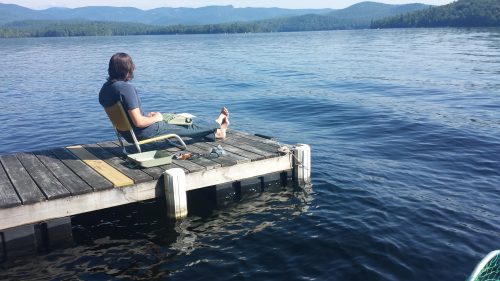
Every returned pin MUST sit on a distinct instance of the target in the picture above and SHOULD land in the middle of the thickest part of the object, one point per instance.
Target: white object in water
(488, 268)
(302, 163)
(175, 193)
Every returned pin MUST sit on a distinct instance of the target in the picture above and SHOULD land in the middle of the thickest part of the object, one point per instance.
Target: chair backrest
(118, 117)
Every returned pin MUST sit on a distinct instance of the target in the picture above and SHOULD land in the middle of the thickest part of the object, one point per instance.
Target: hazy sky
(150, 4)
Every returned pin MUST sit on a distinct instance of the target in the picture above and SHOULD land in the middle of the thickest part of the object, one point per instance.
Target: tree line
(461, 13)
(45, 28)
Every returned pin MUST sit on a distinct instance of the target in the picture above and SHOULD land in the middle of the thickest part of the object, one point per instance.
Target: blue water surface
(405, 133)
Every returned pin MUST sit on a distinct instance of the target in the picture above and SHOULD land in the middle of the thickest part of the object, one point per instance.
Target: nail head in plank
(26, 188)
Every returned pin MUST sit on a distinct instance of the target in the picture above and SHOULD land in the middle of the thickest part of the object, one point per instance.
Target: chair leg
(136, 142)
(121, 143)
(182, 145)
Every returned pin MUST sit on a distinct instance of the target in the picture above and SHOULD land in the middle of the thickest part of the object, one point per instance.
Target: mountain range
(17, 21)
(159, 16)
(365, 11)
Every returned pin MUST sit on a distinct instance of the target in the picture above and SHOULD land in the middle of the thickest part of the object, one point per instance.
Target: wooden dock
(58, 183)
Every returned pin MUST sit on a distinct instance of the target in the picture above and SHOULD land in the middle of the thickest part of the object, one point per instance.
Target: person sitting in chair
(117, 88)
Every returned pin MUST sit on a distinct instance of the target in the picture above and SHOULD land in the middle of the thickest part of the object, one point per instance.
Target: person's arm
(141, 121)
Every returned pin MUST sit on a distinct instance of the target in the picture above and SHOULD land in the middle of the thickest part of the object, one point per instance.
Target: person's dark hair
(121, 68)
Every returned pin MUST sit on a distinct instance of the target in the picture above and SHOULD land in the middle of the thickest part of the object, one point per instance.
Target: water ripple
(405, 136)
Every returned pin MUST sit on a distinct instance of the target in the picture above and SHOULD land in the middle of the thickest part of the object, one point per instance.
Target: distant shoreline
(365, 15)
(79, 33)
(17, 21)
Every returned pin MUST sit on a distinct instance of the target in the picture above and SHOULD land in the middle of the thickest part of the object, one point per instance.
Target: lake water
(405, 133)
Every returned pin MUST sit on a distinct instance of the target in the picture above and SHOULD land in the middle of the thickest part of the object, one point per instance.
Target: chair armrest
(159, 138)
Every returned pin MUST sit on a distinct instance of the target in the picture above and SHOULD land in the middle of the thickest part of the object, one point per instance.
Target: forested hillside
(462, 13)
(158, 16)
(354, 17)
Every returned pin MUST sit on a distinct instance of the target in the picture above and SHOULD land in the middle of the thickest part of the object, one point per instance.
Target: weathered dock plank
(154, 172)
(45, 180)
(233, 157)
(21, 180)
(51, 184)
(261, 143)
(208, 161)
(248, 145)
(271, 142)
(205, 164)
(116, 177)
(189, 166)
(233, 148)
(87, 202)
(68, 178)
(136, 175)
(91, 177)
(8, 195)
(202, 161)
(165, 145)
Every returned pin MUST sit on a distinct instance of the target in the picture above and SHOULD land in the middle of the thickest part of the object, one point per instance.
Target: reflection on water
(243, 218)
(404, 126)
(138, 241)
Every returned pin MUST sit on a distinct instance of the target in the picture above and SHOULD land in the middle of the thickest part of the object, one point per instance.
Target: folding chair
(118, 117)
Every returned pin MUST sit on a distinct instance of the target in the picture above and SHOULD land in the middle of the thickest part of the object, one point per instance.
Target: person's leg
(198, 128)
(220, 134)
(223, 118)
(195, 130)
(223, 121)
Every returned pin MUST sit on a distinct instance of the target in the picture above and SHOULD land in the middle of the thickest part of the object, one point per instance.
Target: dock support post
(52, 234)
(175, 193)
(18, 241)
(59, 233)
(302, 163)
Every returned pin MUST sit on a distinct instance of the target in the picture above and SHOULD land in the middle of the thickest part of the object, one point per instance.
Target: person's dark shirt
(112, 92)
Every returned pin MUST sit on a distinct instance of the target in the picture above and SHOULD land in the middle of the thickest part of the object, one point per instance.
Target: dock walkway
(61, 182)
